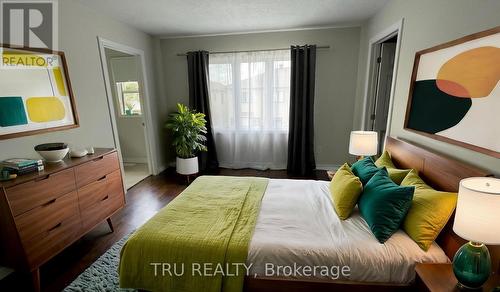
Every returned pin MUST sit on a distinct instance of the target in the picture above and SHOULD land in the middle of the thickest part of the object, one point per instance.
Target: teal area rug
(102, 275)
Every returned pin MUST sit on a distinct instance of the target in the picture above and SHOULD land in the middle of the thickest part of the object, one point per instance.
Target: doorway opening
(382, 63)
(127, 100)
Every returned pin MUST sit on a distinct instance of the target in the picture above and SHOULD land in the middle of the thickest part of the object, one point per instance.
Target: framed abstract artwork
(455, 92)
(35, 92)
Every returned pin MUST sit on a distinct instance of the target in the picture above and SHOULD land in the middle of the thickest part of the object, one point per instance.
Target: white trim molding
(395, 29)
(343, 25)
(150, 137)
(327, 166)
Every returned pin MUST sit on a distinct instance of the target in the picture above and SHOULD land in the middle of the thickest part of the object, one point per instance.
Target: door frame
(370, 79)
(149, 136)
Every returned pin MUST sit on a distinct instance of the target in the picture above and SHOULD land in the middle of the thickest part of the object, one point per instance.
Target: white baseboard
(320, 166)
(160, 168)
(135, 159)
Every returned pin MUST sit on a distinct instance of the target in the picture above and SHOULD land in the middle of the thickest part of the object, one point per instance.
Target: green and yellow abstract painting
(456, 93)
(34, 92)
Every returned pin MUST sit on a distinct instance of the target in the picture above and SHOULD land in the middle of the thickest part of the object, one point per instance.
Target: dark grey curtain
(199, 101)
(301, 160)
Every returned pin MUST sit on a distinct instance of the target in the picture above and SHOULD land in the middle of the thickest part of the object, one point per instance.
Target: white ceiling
(200, 17)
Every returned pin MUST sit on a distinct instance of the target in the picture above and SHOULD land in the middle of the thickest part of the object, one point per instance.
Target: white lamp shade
(363, 143)
(477, 217)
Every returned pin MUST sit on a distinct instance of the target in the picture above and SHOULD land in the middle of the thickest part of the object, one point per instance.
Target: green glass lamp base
(472, 265)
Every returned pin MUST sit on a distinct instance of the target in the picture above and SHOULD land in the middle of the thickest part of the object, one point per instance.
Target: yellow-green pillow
(429, 212)
(396, 175)
(345, 189)
(412, 179)
(385, 160)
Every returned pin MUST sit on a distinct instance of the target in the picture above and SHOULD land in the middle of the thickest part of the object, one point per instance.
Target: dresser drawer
(98, 200)
(100, 189)
(32, 194)
(96, 169)
(47, 244)
(44, 218)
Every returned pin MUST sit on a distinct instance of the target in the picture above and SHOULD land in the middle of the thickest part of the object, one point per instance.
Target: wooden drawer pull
(50, 202)
(55, 227)
(102, 178)
(98, 158)
(105, 198)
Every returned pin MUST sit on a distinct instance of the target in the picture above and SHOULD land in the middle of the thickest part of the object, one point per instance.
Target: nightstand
(331, 173)
(440, 278)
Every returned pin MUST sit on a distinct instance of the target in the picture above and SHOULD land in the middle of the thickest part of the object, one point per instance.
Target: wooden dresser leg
(110, 224)
(35, 279)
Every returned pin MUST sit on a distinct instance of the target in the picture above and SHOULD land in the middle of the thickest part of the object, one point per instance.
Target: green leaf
(188, 131)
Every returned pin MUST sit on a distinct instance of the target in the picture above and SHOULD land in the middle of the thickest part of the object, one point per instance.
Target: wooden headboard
(442, 173)
(439, 171)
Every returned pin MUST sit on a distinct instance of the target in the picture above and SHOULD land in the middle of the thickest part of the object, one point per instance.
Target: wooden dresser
(44, 212)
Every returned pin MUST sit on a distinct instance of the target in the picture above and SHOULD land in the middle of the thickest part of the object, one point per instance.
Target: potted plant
(129, 106)
(189, 131)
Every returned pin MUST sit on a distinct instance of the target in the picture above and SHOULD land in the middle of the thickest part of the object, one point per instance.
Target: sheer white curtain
(249, 102)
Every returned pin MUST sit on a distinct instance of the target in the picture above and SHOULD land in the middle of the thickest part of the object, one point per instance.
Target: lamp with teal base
(472, 265)
(477, 219)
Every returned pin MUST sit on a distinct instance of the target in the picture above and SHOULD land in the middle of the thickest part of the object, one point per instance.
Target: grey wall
(336, 77)
(79, 27)
(426, 23)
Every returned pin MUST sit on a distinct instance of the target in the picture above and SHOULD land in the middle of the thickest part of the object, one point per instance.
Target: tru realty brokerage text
(237, 269)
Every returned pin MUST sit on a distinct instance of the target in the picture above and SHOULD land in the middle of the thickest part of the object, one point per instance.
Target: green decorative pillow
(397, 175)
(345, 189)
(429, 212)
(384, 205)
(364, 169)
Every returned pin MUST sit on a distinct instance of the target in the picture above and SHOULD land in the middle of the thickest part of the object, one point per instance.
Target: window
(249, 102)
(129, 98)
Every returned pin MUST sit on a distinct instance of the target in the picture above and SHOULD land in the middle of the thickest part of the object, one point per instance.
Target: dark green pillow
(384, 205)
(364, 169)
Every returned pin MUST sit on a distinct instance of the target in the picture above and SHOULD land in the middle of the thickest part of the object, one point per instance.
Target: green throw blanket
(198, 242)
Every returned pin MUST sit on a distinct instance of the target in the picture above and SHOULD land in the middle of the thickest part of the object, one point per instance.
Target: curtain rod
(249, 51)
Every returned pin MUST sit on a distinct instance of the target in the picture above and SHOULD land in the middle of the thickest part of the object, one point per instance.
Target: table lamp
(477, 219)
(363, 143)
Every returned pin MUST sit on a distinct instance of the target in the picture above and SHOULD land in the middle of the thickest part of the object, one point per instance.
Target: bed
(296, 225)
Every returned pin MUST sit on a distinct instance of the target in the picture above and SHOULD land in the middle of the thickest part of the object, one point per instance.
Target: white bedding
(297, 224)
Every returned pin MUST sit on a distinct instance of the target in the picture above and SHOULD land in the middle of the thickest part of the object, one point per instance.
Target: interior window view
(129, 98)
(249, 146)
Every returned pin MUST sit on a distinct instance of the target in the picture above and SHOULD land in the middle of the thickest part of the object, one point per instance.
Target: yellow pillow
(385, 160)
(429, 212)
(396, 175)
(412, 179)
(345, 189)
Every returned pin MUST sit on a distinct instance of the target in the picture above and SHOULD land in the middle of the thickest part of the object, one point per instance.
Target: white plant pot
(187, 166)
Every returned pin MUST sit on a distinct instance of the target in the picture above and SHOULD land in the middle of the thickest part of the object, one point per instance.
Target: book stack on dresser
(20, 166)
(44, 212)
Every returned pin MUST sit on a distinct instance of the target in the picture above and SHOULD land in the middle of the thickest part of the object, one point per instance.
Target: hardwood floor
(142, 202)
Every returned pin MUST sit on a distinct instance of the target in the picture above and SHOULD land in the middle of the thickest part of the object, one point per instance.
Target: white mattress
(298, 225)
